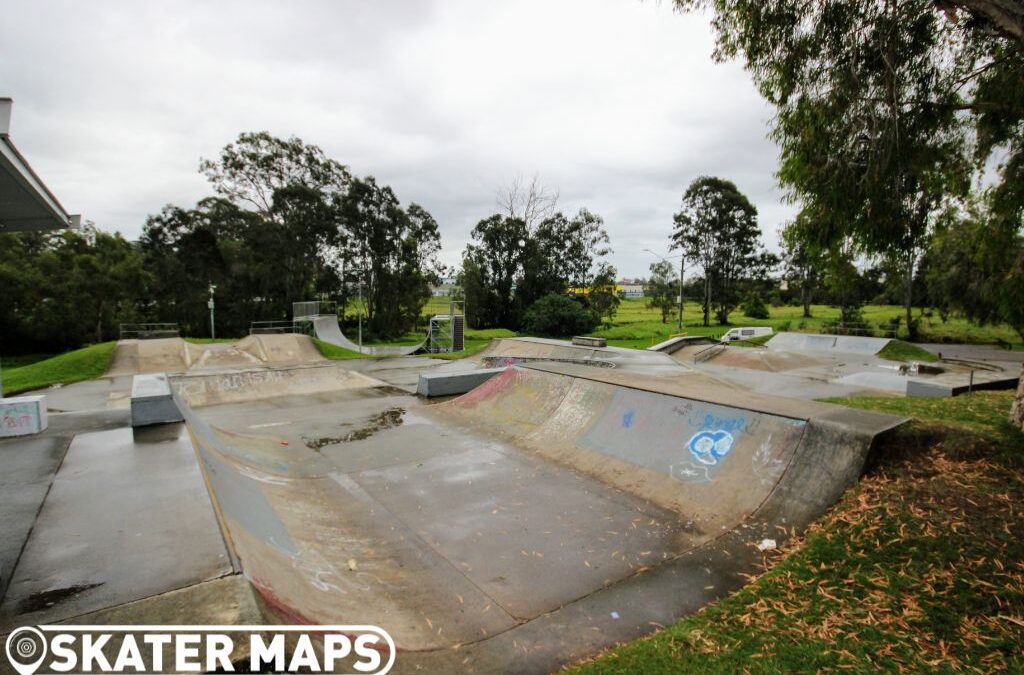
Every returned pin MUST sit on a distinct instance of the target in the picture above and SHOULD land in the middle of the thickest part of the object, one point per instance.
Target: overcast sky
(617, 103)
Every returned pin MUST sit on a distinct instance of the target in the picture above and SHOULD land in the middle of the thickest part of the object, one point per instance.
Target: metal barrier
(312, 308)
(274, 327)
(148, 331)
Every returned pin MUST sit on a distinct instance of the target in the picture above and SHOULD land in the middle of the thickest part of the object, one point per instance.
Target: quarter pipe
(327, 329)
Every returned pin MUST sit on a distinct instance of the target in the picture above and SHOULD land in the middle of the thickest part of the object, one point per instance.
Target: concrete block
(586, 341)
(22, 416)
(152, 402)
(449, 384)
(919, 389)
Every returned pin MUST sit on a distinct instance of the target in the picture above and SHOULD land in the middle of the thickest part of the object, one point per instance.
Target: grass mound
(82, 364)
(919, 568)
(898, 350)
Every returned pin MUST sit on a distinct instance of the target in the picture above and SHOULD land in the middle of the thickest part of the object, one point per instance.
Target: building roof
(26, 204)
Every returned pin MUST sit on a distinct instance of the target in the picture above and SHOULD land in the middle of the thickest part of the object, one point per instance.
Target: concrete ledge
(586, 341)
(918, 389)
(22, 416)
(449, 384)
(152, 402)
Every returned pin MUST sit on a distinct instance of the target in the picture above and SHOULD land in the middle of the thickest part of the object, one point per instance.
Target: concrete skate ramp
(524, 350)
(519, 508)
(175, 355)
(750, 358)
(846, 344)
(328, 330)
(203, 389)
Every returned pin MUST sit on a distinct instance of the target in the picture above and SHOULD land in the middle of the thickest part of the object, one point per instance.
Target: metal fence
(311, 308)
(275, 327)
(148, 331)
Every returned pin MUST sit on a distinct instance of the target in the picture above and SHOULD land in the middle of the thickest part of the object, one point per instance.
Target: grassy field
(637, 326)
(82, 364)
(920, 568)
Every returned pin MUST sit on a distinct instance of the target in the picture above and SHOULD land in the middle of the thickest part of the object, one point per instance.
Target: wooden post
(1017, 413)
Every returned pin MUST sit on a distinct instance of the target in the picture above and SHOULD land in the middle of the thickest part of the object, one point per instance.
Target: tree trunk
(707, 300)
(1017, 412)
(805, 296)
(908, 297)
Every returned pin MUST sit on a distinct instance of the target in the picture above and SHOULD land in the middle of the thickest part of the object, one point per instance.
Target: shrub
(755, 308)
(557, 315)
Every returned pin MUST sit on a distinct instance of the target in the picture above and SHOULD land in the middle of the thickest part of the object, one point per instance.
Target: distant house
(625, 288)
(630, 288)
(446, 288)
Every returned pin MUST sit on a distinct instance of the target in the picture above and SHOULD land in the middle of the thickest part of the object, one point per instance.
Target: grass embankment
(82, 364)
(919, 568)
(898, 350)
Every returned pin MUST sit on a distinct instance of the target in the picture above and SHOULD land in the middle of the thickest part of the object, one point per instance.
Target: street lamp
(213, 328)
(359, 271)
(682, 261)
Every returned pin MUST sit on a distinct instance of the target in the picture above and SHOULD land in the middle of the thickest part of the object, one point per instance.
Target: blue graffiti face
(708, 447)
(627, 419)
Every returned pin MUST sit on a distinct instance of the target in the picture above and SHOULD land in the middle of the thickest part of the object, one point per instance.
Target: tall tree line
(286, 223)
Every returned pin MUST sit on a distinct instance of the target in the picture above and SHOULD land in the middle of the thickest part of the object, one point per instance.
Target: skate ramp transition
(175, 355)
(606, 474)
(846, 344)
(327, 329)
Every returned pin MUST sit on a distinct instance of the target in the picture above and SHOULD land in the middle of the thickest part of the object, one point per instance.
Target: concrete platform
(152, 402)
(449, 384)
(126, 517)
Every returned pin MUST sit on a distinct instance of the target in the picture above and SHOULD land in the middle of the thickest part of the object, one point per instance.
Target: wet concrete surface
(530, 535)
(29, 465)
(127, 517)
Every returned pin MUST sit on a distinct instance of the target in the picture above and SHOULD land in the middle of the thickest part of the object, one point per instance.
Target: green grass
(336, 353)
(208, 341)
(898, 350)
(919, 568)
(82, 364)
(20, 360)
(637, 326)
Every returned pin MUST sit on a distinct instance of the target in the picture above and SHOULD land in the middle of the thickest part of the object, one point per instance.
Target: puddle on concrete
(46, 599)
(389, 419)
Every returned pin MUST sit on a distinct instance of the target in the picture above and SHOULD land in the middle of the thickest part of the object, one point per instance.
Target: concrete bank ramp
(706, 452)
(175, 355)
(523, 350)
(519, 513)
(749, 358)
(328, 330)
(808, 342)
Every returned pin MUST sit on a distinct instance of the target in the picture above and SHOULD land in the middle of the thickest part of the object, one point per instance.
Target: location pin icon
(26, 649)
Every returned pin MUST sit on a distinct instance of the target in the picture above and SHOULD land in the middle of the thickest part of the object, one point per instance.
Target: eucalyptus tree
(885, 109)
(717, 229)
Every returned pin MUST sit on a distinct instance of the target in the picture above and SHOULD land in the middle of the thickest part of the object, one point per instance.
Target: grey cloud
(616, 102)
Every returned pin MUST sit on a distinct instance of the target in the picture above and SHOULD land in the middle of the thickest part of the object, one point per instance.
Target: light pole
(682, 261)
(359, 272)
(213, 328)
